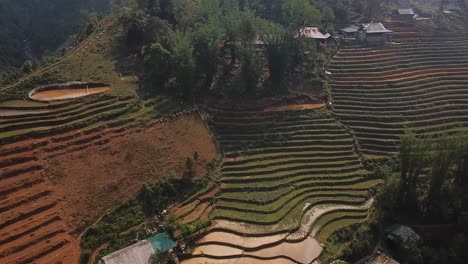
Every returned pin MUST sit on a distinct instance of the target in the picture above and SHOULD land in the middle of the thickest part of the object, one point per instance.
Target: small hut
(376, 34)
(314, 33)
(406, 14)
(372, 34)
(350, 33)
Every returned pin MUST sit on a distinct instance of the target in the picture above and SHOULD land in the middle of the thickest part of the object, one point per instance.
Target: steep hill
(32, 28)
(418, 83)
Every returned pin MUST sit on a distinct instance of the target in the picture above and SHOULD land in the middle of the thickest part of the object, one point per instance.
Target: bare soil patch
(49, 200)
(92, 180)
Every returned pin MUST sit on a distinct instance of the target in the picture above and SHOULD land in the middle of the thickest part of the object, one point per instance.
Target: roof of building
(312, 32)
(375, 28)
(140, 252)
(402, 232)
(350, 29)
(161, 242)
(406, 11)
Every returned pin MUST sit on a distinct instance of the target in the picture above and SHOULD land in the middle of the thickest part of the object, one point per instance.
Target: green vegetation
(119, 227)
(193, 227)
(349, 240)
(305, 158)
(424, 185)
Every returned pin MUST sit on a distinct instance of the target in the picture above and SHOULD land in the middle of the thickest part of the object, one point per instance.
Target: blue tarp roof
(161, 242)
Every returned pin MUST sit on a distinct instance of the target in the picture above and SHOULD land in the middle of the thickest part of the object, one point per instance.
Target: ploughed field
(420, 83)
(287, 177)
(32, 224)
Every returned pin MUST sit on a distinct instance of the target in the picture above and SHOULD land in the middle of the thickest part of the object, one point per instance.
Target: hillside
(49, 170)
(417, 84)
(31, 29)
(217, 123)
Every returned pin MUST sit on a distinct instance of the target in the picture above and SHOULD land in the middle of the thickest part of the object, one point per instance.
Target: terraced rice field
(282, 171)
(419, 83)
(32, 226)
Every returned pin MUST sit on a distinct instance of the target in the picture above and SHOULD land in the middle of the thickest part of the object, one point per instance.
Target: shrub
(193, 227)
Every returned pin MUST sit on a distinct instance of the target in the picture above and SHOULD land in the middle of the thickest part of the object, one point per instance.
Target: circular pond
(67, 91)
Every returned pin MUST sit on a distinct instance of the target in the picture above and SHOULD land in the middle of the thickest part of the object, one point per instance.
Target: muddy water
(63, 94)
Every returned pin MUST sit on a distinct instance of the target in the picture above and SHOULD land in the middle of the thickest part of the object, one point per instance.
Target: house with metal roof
(349, 34)
(313, 32)
(367, 33)
(140, 252)
(376, 34)
(406, 14)
(316, 34)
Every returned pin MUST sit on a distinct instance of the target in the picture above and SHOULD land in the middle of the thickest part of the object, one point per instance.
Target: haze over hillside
(30, 29)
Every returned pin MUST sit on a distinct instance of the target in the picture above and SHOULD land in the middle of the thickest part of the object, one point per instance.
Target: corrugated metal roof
(403, 232)
(312, 32)
(138, 253)
(375, 28)
(350, 29)
(406, 11)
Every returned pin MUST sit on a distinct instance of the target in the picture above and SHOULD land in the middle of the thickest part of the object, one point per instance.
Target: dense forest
(214, 44)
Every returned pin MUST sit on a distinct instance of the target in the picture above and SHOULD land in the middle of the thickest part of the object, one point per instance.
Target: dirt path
(293, 107)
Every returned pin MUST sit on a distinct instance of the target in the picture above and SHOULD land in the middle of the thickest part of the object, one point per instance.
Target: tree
(28, 67)
(246, 51)
(443, 158)
(278, 47)
(183, 63)
(389, 198)
(190, 164)
(184, 12)
(328, 17)
(150, 6)
(300, 13)
(207, 10)
(158, 66)
(207, 41)
(413, 159)
(88, 27)
(135, 24)
(231, 21)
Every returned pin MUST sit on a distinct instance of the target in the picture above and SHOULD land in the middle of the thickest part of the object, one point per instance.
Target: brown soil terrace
(53, 187)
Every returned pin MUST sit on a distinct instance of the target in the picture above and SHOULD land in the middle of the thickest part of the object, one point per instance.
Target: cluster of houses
(372, 34)
(369, 34)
